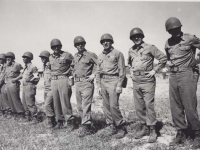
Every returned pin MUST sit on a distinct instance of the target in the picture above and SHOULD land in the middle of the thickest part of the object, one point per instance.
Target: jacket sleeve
(122, 69)
(160, 56)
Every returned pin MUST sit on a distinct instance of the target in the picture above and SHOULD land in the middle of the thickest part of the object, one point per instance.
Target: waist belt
(80, 79)
(59, 77)
(140, 73)
(177, 69)
(27, 83)
(107, 76)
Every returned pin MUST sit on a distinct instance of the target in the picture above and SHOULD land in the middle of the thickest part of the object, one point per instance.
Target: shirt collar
(107, 51)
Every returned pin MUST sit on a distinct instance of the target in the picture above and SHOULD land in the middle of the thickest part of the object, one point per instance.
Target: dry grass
(36, 137)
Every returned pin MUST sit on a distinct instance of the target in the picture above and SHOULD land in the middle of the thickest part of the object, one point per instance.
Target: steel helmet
(28, 54)
(172, 23)
(106, 36)
(44, 54)
(136, 31)
(55, 42)
(79, 39)
(10, 54)
(2, 56)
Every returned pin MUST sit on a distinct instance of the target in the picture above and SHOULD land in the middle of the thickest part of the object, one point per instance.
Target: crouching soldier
(83, 66)
(140, 60)
(48, 97)
(29, 81)
(109, 78)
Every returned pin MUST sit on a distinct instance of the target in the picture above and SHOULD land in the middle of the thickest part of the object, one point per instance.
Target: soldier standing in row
(180, 49)
(29, 81)
(48, 97)
(5, 108)
(140, 59)
(60, 62)
(83, 71)
(109, 78)
(12, 77)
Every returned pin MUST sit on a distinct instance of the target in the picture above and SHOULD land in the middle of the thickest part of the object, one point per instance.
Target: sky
(31, 25)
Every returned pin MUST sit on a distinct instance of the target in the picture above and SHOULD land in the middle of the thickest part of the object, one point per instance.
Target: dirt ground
(72, 142)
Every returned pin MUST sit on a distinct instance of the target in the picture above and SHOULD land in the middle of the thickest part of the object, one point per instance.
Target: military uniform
(110, 74)
(140, 61)
(3, 95)
(29, 89)
(83, 66)
(61, 90)
(48, 97)
(182, 81)
(13, 89)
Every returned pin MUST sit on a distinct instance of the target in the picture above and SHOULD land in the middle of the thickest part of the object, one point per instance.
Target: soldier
(60, 62)
(180, 49)
(12, 77)
(48, 97)
(30, 80)
(140, 59)
(109, 78)
(83, 68)
(5, 108)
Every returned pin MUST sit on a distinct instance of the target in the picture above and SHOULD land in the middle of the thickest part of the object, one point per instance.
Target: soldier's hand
(170, 64)
(119, 90)
(99, 90)
(151, 74)
(90, 78)
(13, 81)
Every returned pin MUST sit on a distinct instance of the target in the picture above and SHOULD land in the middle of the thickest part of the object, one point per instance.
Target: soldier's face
(176, 33)
(26, 60)
(137, 39)
(107, 44)
(56, 49)
(80, 46)
(44, 60)
(9, 60)
(2, 61)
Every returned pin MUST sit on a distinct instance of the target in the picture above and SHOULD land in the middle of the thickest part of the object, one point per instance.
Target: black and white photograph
(99, 75)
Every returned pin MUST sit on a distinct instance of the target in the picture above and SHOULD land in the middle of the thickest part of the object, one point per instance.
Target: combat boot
(121, 132)
(180, 138)
(153, 135)
(196, 142)
(8, 115)
(108, 131)
(71, 125)
(59, 125)
(143, 132)
(51, 122)
(85, 130)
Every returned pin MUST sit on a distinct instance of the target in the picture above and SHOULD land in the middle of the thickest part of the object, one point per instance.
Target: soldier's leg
(65, 93)
(14, 90)
(9, 95)
(176, 105)
(56, 99)
(49, 108)
(87, 96)
(6, 105)
(148, 91)
(30, 99)
(79, 99)
(188, 95)
(106, 102)
(140, 106)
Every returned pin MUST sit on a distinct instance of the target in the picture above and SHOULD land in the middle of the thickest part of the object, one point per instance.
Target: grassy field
(15, 136)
